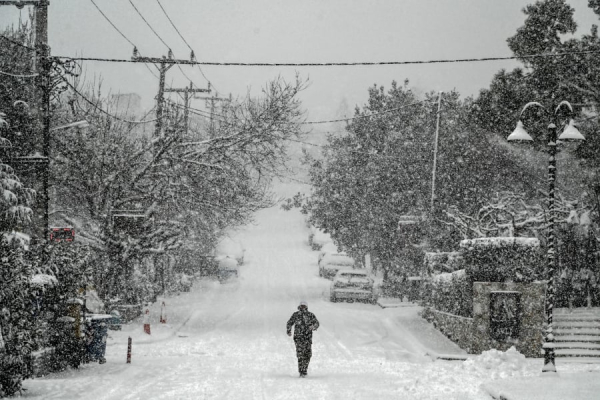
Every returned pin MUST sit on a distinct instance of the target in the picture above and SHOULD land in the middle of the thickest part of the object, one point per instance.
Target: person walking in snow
(304, 323)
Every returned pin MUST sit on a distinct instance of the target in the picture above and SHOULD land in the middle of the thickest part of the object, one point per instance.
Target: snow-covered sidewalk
(583, 385)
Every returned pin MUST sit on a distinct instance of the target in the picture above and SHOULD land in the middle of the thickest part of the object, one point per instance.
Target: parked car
(328, 248)
(353, 284)
(332, 262)
(227, 270)
(185, 282)
(231, 248)
(317, 238)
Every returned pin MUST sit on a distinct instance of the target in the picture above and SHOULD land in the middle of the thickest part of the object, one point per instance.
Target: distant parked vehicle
(328, 248)
(227, 270)
(231, 248)
(332, 262)
(185, 283)
(317, 239)
(353, 284)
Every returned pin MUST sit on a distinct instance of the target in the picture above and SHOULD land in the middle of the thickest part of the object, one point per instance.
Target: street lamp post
(569, 134)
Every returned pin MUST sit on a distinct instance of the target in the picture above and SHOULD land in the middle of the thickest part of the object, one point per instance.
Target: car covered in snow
(318, 238)
(232, 248)
(351, 284)
(227, 269)
(328, 248)
(332, 262)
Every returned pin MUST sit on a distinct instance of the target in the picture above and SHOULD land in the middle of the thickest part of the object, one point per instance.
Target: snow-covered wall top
(500, 242)
(447, 276)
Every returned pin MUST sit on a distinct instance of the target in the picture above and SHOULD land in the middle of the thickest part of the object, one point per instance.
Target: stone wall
(476, 334)
(529, 339)
(458, 329)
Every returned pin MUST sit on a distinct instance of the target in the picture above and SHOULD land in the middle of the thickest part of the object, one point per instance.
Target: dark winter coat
(304, 323)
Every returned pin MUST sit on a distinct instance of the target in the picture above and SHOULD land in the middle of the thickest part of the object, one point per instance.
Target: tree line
(146, 207)
(378, 174)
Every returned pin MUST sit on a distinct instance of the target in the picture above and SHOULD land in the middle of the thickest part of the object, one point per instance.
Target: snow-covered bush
(451, 293)
(69, 264)
(437, 262)
(578, 258)
(16, 341)
(501, 259)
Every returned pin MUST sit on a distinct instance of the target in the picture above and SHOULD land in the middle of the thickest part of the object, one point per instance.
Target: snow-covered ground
(229, 342)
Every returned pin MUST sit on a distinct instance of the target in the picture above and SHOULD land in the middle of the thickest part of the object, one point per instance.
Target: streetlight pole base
(549, 365)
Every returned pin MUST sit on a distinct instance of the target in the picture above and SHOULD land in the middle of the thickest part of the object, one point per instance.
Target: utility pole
(186, 99)
(435, 151)
(42, 65)
(163, 65)
(213, 99)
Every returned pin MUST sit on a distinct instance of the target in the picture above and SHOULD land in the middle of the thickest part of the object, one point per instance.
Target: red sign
(58, 234)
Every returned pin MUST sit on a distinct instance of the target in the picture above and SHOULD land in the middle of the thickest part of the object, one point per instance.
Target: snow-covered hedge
(436, 262)
(451, 293)
(501, 259)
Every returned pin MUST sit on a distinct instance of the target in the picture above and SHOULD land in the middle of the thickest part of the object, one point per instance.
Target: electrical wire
(343, 64)
(147, 23)
(185, 41)
(74, 89)
(160, 38)
(366, 116)
(18, 76)
(111, 23)
(121, 33)
(17, 43)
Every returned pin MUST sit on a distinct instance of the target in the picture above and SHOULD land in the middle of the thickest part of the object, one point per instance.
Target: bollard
(147, 322)
(163, 313)
(129, 350)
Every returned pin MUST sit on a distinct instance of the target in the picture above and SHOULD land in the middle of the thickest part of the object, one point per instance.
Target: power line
(101, 109)
(182, 38)
(121, 33)
(147, 23)
(17, 43)
(346, 64)
(160, 38)
(111, 23)
(365, 116)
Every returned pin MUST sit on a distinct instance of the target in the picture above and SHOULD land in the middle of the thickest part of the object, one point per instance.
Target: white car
(332, 262)
(328, 248)
(353, 284)
(317, 238)
(227, 270)
(231, 248)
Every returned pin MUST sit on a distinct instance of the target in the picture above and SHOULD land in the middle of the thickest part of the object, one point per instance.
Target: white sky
(295, 31)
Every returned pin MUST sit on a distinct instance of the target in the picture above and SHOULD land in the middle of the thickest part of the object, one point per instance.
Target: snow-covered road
(229, 342)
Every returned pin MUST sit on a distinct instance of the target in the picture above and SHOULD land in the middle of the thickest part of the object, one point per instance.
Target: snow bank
(497, 364)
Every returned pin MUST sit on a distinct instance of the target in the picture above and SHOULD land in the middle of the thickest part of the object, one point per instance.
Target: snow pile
(497, 364)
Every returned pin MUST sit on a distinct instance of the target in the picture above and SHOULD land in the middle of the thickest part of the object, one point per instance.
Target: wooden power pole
(42, 65)
(212, 100)
(163, 65)
(185, 93)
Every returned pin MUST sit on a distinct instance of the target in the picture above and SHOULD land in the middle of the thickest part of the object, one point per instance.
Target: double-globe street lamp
(569, 134)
